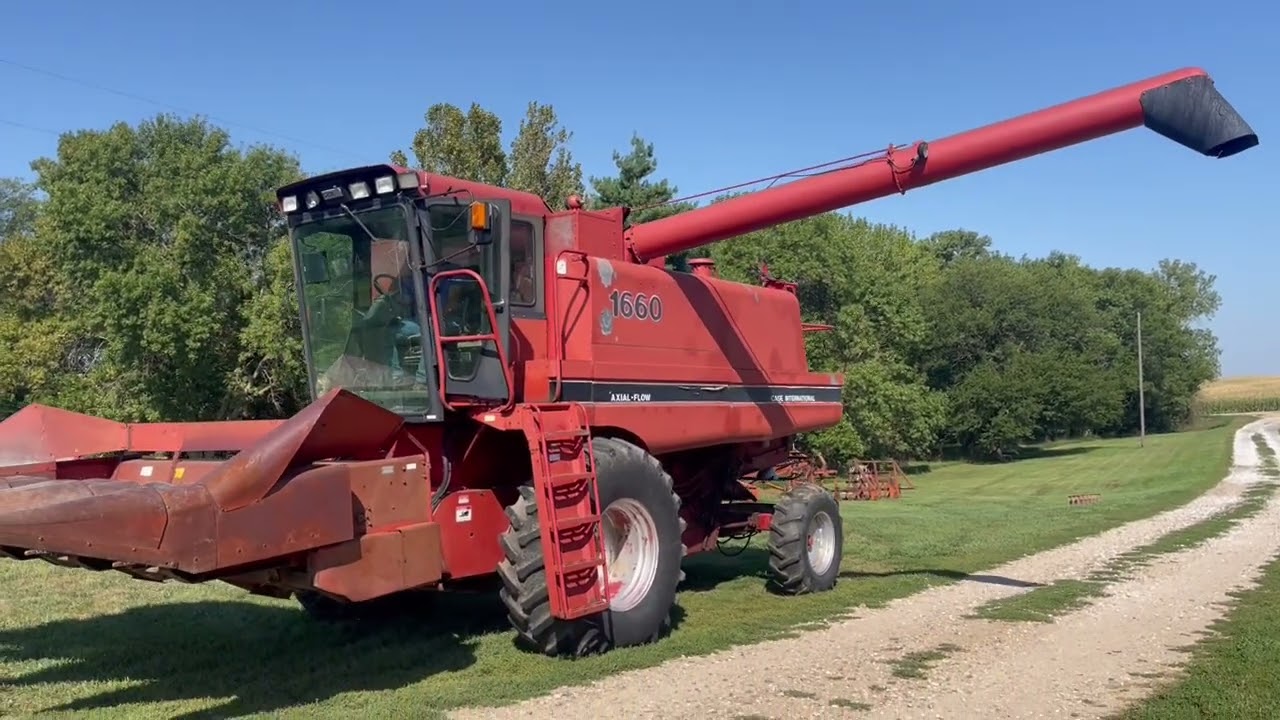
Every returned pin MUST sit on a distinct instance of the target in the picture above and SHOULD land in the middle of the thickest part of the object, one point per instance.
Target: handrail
(441, 339)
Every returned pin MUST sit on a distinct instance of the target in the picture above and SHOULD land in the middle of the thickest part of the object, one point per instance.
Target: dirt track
(1086, 664)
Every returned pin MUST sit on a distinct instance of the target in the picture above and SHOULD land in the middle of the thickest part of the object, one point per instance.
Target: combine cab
(512, 394)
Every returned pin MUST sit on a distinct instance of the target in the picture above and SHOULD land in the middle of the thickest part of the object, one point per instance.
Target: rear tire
(806, 542)
(631, 482)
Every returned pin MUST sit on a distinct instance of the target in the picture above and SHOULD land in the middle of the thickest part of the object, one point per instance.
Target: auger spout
(1182, 105)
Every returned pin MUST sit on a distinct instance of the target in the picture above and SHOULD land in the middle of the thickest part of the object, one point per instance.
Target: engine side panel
(683, 361)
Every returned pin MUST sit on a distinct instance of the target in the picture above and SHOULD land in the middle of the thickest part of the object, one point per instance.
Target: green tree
(19, 208)
(952, 245)
(157, 237)
(270, 379)
(867, 282)
(540, 161)
(36, 347)
(31, 340)
(1178, 356)
(647, 198)
(469, 146)
(1037, 349)
(994, 406)
(463, 145)
(1032, 325)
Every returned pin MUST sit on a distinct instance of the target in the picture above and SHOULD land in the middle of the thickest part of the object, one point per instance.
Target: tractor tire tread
(524, 587)
(522, 570)
(789, 570)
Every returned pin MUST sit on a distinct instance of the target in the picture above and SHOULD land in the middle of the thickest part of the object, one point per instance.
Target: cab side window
(524, 264)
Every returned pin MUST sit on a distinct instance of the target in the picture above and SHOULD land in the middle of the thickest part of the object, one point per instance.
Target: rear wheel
(642, 530)
(806, 541)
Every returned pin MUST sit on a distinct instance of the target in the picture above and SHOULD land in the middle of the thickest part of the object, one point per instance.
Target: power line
(152, 101)
(32, 128)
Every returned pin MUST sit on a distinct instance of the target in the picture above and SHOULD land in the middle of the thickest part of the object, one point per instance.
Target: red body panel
(711, 335)
(522, 203)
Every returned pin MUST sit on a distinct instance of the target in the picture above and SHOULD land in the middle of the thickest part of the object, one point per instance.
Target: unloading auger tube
(1182, 105)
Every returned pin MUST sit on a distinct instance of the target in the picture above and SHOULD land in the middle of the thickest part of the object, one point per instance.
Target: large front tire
(806, 542)
(635, 491)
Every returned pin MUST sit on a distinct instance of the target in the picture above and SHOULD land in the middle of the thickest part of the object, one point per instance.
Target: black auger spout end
(1192, 113)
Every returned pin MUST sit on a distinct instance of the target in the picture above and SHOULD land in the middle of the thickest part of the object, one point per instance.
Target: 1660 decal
(641, 306)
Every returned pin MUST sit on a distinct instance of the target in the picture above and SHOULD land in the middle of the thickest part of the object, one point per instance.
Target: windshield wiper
(352, 215)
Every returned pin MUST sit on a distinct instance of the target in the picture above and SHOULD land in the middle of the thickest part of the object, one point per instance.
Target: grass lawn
(82, 641)
(1064, 596)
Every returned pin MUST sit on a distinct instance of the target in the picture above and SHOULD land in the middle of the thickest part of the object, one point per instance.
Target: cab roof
(429, 184)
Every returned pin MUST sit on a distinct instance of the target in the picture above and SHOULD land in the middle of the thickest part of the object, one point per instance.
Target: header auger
(509, 394)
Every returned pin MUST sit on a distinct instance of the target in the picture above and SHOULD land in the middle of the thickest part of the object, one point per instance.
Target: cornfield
(1240, 395)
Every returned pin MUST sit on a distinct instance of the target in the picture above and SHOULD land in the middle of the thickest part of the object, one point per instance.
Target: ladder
(569, 511)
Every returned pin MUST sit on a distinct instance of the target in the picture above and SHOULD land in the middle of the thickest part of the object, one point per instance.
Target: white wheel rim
(821, 542)
(631, 553)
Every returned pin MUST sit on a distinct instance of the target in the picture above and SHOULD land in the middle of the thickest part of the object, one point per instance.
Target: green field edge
(1062, 597)
(1228, 673)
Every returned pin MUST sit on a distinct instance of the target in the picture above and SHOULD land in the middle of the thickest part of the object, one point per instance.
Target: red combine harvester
(511, 394)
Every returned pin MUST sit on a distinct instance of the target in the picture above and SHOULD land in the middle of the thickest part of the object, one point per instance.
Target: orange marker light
(479, 216)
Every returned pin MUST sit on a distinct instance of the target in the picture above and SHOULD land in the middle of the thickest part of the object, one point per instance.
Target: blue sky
(727, 91)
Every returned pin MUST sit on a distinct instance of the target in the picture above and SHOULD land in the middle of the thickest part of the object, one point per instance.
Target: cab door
(467, 286)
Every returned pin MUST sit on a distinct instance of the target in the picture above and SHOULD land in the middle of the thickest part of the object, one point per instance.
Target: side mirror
(315, 267)
(480, 229)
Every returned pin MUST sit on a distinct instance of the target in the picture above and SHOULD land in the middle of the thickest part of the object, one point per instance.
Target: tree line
(145, 276)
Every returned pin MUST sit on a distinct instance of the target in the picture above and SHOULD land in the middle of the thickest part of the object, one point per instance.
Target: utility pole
(1142, 403)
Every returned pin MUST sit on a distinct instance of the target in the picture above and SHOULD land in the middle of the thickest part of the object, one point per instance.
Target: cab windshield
(359, 306)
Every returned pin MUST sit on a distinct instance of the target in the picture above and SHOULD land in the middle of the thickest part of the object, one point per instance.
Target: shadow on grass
(262, 658)
(1203, 422)
(957, 453)
(1037, 452)
(706, 572)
